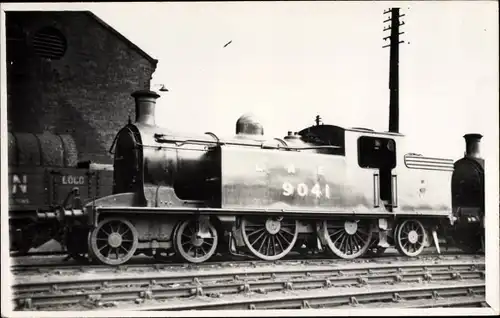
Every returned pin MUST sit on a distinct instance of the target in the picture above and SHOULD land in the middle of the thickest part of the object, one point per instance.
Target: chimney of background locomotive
(145, 102)
(472, 145)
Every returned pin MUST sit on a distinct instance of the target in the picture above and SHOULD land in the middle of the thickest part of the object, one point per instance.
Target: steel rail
(229, 273)
(460, 301)
(44, 268)
(328, 299)
(16, 254)
(159, 287)
(114, 282)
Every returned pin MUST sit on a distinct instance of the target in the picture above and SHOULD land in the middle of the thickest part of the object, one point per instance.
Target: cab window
(375, 152)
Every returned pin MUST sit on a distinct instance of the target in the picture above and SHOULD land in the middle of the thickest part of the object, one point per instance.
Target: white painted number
(287, 189)
(303, 190)
(73, 180)
(316, 190)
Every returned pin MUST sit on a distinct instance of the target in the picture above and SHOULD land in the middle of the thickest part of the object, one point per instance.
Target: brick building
(70, 73)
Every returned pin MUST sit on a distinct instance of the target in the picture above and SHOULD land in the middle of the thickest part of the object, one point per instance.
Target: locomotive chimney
(472, 145)
(145, 102)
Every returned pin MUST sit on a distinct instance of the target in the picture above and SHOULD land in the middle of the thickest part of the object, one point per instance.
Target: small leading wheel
(348, 239)
(269, 239)
(410, 238)
(190, 246)
(113, 242)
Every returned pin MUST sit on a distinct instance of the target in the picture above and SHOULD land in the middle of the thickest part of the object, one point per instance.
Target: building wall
(85, 93)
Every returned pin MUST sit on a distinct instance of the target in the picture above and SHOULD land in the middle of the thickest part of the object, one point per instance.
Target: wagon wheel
(349, 239)
(192, 248)
(269, 239)
(113, 241)
(410, 238)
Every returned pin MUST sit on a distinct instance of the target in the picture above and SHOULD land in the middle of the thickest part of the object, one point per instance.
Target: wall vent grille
(49, 43)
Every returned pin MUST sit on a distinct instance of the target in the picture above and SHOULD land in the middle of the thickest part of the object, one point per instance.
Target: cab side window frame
(376, 152)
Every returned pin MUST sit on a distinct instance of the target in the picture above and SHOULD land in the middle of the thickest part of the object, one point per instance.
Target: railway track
(34, 254)
(102, 290)
(148, 265)
(456, 295)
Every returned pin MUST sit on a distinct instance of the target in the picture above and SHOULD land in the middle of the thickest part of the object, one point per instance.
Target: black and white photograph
(250, 158)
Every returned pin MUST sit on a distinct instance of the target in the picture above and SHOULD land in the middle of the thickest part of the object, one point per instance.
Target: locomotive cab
(374, 159)
(368, 154)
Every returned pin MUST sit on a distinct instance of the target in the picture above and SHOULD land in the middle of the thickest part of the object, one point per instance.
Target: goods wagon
(43, 171)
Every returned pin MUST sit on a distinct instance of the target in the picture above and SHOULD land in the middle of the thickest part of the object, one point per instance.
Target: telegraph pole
(393, 65)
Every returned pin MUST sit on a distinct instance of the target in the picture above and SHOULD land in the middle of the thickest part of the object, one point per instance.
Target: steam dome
(249, 124)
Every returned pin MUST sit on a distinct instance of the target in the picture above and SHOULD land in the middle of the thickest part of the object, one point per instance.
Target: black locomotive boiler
(325, 187)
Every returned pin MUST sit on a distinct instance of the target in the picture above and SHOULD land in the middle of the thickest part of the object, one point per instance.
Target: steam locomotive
(43, 168)
(346, 191)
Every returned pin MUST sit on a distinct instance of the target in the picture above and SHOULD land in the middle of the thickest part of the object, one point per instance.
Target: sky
(288, 62)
